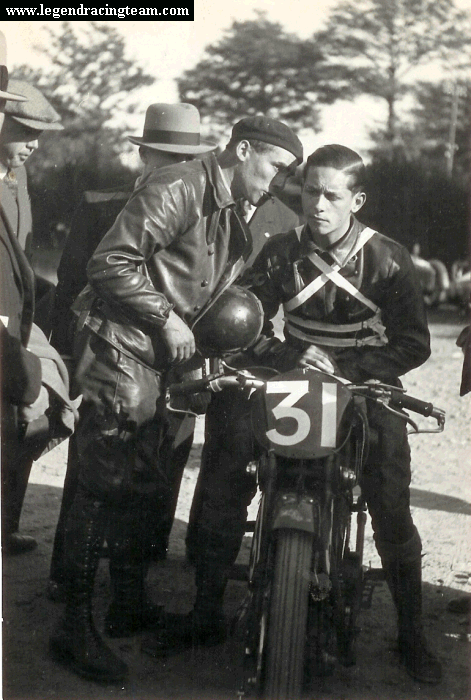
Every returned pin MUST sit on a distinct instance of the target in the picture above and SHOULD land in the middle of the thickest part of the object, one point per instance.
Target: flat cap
(269, 131)
(36, 112)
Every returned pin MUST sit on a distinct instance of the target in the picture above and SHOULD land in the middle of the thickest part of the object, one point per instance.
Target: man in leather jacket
(94, 216)
(177, 245)
(353, 307)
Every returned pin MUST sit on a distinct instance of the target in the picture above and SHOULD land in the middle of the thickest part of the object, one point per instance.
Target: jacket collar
(222, 194)
(341, 250)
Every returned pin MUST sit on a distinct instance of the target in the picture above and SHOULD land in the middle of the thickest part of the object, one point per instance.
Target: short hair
(258, 146)
(341, 158)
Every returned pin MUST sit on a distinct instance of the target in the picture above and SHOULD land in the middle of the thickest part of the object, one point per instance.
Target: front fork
(288, 509)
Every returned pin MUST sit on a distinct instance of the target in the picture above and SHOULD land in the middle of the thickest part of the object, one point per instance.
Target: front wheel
(283, 679)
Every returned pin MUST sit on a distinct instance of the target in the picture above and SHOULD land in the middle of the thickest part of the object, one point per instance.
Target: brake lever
(417, 431)
(385, 402)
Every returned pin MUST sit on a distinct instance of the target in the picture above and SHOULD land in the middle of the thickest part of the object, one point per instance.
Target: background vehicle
(433, 276)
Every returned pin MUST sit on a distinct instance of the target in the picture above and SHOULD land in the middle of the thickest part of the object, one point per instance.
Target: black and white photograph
(235, 350)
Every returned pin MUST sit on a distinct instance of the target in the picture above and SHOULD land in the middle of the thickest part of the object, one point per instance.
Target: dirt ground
(441, 499)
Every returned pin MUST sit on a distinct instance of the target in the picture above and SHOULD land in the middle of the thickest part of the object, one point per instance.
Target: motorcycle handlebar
(214, 383)
(396, 398)
(401, 400)
(192, 386)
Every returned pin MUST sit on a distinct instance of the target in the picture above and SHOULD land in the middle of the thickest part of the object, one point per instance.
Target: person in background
(34, 379)
(461, 605)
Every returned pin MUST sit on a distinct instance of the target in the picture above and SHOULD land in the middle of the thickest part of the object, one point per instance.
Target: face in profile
(257, 171)
(17, 143)
(328, 203)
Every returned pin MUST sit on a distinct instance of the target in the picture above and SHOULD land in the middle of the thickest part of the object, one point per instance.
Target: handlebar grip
(192, 386)
(400, 400)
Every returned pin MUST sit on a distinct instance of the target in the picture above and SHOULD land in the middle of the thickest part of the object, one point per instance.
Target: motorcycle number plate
(300, 414)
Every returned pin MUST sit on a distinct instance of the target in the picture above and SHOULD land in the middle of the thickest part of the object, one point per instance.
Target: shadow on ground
(438, 501)
(209, 674)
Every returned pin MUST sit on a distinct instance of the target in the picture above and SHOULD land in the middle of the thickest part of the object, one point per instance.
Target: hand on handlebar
(178, 338)
(318, 357)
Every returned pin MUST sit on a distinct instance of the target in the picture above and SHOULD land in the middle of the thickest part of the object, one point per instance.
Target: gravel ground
(441, 499)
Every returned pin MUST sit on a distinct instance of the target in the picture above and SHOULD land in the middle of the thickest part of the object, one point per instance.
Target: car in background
(433, 276)
(460, 284)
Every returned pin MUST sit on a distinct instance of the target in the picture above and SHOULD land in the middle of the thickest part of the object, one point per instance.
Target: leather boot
(130, 611)
(76, 643)
(205, 625)
(402, 566)
(129, 541)
(56, 587)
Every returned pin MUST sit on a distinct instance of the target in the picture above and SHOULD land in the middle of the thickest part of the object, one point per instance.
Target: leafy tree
(373, 46)
(89, 84)
(257, 68)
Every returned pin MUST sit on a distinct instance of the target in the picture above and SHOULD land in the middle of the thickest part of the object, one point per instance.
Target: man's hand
(318, 357)
(29, 413)
(178, 338)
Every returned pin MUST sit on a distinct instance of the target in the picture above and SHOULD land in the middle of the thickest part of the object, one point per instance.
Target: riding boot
(402, 567)
(205, 625)
(76, 643)
(130, 611)
(56, 587)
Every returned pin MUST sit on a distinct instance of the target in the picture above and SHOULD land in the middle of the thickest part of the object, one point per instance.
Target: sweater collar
(340, 251)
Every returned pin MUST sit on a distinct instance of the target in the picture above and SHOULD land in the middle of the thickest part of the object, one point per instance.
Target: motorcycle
(306, 578)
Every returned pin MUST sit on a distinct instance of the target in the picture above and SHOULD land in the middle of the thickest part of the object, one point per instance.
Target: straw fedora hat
(174, 128)
(4, 94)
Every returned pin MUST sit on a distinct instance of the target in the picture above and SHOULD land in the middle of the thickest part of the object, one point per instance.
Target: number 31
(286, 409)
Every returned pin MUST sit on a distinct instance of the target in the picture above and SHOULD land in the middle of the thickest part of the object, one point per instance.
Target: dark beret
(269, 131)
(36, 112)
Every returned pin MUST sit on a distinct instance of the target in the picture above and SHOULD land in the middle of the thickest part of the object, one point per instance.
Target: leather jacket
(177, 244)
(382, 271)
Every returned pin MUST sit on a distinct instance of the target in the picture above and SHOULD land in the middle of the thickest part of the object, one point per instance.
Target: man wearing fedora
(25, 114)
(94, 216)
(175, 247)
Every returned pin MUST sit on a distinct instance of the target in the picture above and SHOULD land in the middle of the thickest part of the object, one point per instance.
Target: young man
(384, 334)
(176, 246)
(353, 307)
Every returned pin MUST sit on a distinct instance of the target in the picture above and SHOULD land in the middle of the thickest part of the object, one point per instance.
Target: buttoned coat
(21, 372)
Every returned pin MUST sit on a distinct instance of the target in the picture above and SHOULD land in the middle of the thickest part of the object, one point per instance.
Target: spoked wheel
(283, 679)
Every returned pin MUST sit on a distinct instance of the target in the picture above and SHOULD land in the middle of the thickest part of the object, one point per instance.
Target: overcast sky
(166, 49)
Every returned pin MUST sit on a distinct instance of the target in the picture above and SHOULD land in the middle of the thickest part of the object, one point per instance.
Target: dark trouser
(116, 453)
(125, 448)
(225, 490)
(176, 457)
(17, 459)
(14, 483)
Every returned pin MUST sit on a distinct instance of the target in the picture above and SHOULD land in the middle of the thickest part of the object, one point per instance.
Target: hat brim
(4, 95)
(38, 125)
(203, 147)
